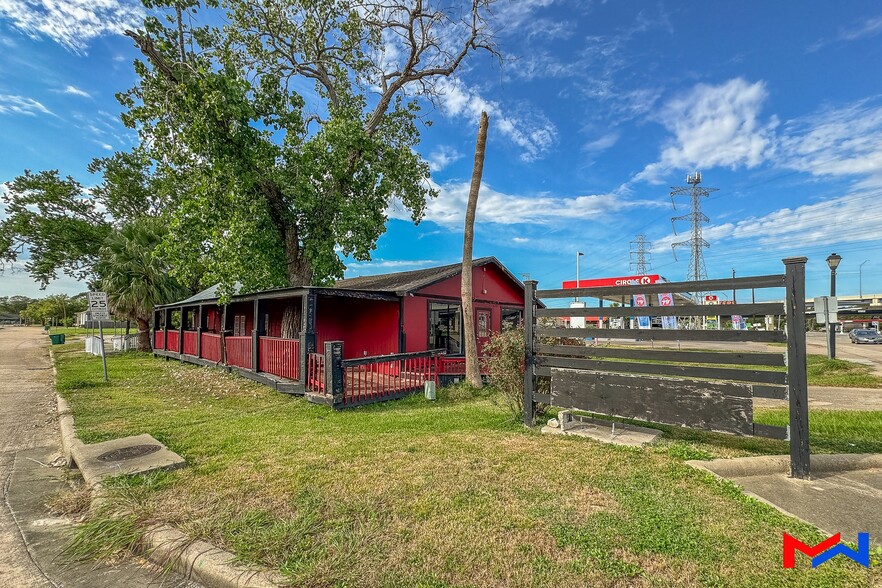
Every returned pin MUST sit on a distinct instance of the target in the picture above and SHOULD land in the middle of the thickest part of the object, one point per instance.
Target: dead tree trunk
(473, 370)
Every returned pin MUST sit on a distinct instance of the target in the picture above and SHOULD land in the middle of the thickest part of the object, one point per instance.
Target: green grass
(444, 494)
(841, 373)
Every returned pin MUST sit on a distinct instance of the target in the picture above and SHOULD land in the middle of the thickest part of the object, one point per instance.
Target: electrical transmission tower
(641, 253)
(697, 269)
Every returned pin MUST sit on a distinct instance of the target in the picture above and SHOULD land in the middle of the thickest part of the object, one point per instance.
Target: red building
(389, 333)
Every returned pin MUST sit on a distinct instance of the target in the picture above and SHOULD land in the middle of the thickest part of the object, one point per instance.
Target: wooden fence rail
(669, 386)
(280, 357)
(190, 343)
(211, 347)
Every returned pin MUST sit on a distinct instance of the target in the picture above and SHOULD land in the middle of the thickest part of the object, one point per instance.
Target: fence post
(334, 377)
(307, 329)
(797, 384)
(529, 351)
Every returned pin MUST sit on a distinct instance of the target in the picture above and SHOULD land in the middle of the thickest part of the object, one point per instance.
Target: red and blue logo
(827, 550)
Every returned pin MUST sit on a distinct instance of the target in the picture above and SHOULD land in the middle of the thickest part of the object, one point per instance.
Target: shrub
(504, 360)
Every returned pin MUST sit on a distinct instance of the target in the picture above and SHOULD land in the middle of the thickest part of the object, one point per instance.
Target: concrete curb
(164, 546)
(740, 467)
(204, 562)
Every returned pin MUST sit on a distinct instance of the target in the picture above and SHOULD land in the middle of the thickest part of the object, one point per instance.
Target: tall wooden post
(255, 338)
(334, 377)
(199, 327)
(529, 352)
(167, 312)
(223, 336)
(183, 317)
(797, 380)
(307, 332)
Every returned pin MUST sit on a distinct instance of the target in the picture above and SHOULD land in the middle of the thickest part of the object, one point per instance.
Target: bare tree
(473, 370)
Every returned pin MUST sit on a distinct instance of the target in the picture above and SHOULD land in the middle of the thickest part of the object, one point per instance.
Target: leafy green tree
(59, 309)
(57, 221)
(134, 278)
(271, 185)
(14, 304)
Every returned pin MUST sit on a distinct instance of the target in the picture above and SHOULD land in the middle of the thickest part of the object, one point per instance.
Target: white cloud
(531, 131)
(602, 143)
(510, 209)
(72, 23)
(442, 157)
(715, 126)
(377, 266)
(853, 32)
(75, 91)
(520, 240)
(800, 227)
(10, 104)
(836, 142)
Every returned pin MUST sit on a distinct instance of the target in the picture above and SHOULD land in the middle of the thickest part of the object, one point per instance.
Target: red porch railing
(211, 347)
(159, 340)
(372, 379)
(280, 357)
(455, 366)
(190, 342)
(239, 351)
(173, 342)
(315, 373)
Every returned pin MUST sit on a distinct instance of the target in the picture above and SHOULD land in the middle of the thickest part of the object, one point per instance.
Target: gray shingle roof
(405, 282)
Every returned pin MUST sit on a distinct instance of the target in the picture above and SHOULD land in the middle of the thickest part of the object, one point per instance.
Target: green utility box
(57, 339)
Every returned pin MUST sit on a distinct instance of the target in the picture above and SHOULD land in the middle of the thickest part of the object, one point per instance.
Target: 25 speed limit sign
(98, 309)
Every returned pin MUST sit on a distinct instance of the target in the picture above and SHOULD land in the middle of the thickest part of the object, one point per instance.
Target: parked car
(871, 336)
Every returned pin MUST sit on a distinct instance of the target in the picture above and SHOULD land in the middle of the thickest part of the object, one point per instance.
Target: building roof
(403, 283)
(387, 285)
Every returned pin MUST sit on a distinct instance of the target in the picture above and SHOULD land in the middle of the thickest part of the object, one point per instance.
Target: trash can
(45, 327)
(57, 339)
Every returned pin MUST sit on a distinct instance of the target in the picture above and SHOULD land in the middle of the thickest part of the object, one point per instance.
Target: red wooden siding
(239, 351)
(489, 283)
(190, 342)
(213, 319)
(280, 357)
(211, 346)
(173, 342)
(245, 309)
(366, 327)
(159, 340)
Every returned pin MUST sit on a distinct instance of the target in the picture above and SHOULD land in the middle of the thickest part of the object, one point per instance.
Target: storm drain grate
(129, 452)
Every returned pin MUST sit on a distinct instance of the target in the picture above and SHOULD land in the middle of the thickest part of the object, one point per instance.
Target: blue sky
(599, 108)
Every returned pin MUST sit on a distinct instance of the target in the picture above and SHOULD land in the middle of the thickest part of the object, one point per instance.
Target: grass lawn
(443, 494)
(840, 373)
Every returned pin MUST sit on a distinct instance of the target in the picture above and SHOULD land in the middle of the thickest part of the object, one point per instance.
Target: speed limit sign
(98, 309)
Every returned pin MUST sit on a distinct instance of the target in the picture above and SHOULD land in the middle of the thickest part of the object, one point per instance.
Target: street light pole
(832, 262)
(733, 286)
(861, 279)
(579, 255)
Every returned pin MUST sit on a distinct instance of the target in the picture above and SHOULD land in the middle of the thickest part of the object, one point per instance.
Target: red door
(482, 328)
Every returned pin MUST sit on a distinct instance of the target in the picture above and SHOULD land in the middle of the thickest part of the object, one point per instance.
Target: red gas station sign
(619, 281)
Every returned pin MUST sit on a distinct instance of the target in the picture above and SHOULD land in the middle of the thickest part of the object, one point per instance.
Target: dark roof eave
(286, 293)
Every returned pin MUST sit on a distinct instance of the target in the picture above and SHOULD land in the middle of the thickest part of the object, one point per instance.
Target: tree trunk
(473, 370)
(144, 342)
(291, 322)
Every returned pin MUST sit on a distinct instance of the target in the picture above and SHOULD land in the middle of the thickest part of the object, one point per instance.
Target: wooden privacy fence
(686, 388)
(351, 382)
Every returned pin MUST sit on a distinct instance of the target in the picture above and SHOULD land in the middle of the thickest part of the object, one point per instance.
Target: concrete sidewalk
(844, 494)
(31, 541)
(826, 397)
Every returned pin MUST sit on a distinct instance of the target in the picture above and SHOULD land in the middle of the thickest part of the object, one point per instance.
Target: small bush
(504, 359)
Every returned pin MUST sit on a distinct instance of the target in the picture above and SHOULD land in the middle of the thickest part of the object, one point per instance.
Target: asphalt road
(27, 421)
(845, 349)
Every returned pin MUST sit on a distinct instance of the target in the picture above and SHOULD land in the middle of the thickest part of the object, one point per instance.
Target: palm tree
(134, 277)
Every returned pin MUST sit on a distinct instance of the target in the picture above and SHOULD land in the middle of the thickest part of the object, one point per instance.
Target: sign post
(99, 311)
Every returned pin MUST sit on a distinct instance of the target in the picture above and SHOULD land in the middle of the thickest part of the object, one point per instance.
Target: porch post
(255, 338)
(223, 336)
(307, 332)
(334, 377)
(797, 384)
(199, 332)
(529, 352)
(402, 340)
(183, 316)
